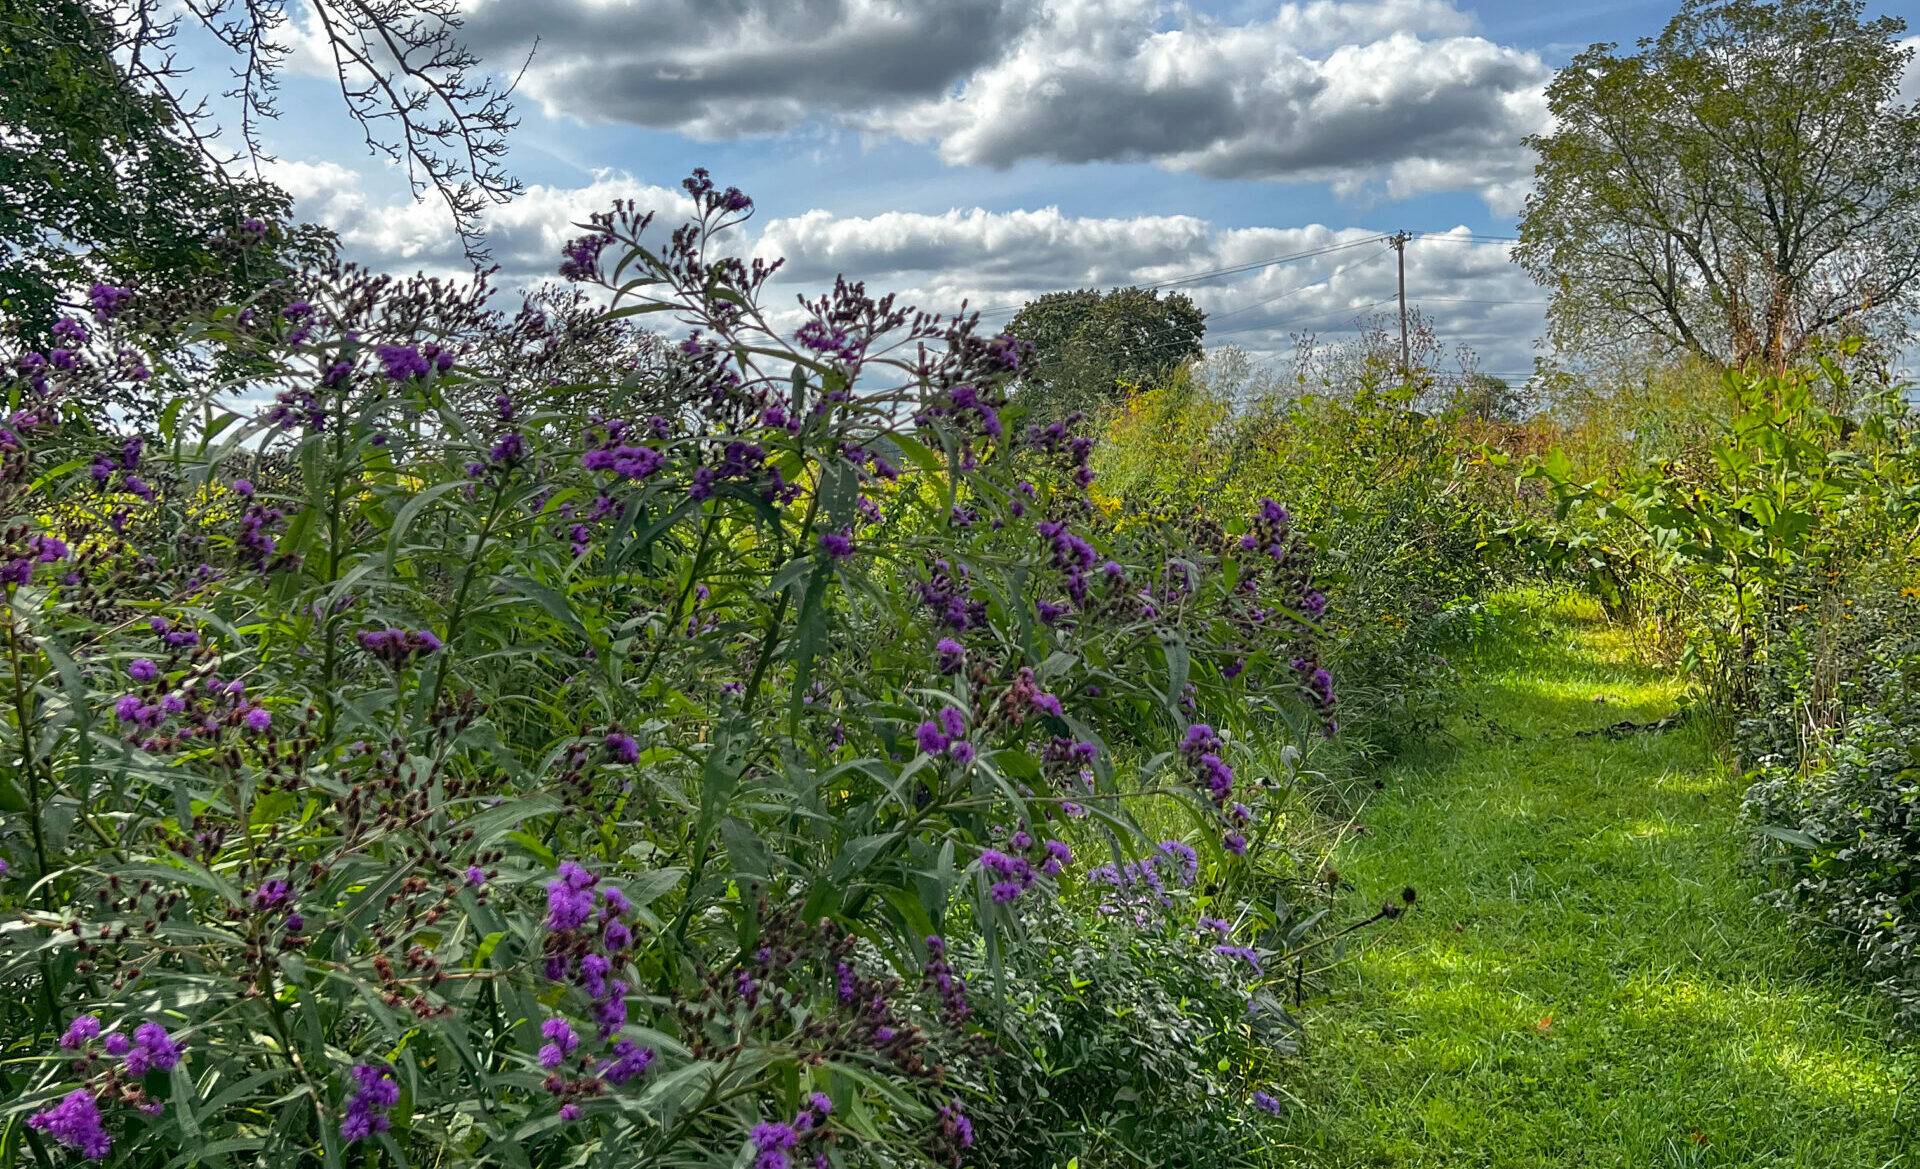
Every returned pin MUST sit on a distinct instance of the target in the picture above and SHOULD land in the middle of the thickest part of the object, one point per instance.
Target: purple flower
(838, 545)
(118, 1045)
(75, 1122)
(931, 741)
(511, 448)
(561, 1041)
(1241, 952)
(629, 1060)
(623, 748)
(1048, 704)
(400, 362)
(108, 301)
(1266, 1103)
(955, 1126)
(1059, 856)
(1185, 862)
(476, 876)
(142, 670)
(396, 647)
(259, 719)
(1236, 844)
(1200, 740)
(82, 1031)
(952, 655)
(1217, 925)
(153, 1050)
(570, 897)
(771, 1142)
(272, 894)
(962, 751)
(375, 1092)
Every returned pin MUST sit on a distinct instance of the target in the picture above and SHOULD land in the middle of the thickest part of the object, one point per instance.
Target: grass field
(1586, 980)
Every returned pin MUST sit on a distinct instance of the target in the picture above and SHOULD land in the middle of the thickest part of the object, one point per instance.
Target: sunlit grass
(1586, 980)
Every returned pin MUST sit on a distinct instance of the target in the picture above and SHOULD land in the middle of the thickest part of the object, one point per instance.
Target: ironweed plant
(391, 769)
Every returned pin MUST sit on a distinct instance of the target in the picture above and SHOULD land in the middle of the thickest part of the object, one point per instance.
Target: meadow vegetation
(647, 727)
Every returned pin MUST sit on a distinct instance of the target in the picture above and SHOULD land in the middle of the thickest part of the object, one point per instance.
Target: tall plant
(391, 778)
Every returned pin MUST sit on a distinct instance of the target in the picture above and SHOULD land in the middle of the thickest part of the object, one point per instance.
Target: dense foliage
(394, 765)
(1774, 547)
(1089, 345)
(1400, 503)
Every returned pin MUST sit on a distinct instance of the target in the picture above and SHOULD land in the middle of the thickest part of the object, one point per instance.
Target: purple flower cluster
(951, 987)
(17, 568)
(946, 732)
(830, 341)
(107, 301)
(75, 1122)
(1016, 875)
(1059, 441)
(1266, 1103)
(837, 545)
(954, 1133)
(622, 748)
(561, 1042)
(256, 541)
(1318, 684)
(949, 594)
(403, 362)
(397, 647)
(1241, 952)
(125, 462)
(582, 257)
(375, 1092)
(200, 706)
(150, 1050)
(963, 402)
(776, 1144)
(953, 655)
(630, 460)
(588, 948)
(1202, 747)
(294, 406)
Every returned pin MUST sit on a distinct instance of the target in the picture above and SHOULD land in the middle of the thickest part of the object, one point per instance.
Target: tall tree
(100, 183)
(1087, 343)
(1745, 183)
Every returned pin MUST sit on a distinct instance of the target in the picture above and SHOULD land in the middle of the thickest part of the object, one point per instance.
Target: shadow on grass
(1586, 980)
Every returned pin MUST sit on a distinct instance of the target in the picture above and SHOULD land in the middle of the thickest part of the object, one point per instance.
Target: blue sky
(995, 149)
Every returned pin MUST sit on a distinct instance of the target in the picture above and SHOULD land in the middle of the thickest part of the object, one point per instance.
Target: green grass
(1586, 979)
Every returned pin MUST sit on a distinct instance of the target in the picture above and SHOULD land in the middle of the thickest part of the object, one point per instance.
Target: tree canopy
(1744, 184)
(1086, 343)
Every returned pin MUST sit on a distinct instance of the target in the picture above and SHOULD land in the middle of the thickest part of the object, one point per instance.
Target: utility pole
(1406, 357)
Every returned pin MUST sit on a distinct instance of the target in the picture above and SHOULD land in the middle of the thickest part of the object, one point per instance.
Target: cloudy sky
(992, 150)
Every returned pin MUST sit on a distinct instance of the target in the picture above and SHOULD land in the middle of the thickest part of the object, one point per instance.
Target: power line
(1299, 288)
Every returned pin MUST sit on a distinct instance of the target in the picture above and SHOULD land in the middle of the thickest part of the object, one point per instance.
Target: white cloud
(400, 233)
(1393, 97)
(992, 261)
(1343, 94)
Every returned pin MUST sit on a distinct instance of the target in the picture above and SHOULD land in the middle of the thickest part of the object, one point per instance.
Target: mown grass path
(1586, 980)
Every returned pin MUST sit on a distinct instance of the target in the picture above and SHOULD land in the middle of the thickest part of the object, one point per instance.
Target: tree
(101, 185)
(1745, 185)
(1086, 343)
(110, 173)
